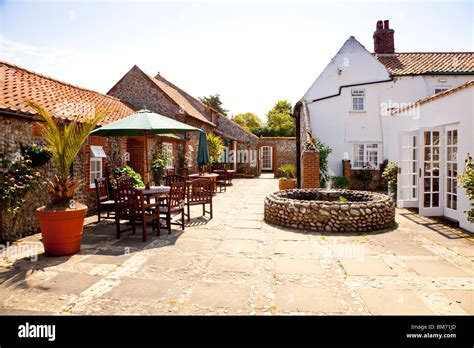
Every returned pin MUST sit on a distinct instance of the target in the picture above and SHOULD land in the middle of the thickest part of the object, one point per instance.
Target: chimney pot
(383, 38)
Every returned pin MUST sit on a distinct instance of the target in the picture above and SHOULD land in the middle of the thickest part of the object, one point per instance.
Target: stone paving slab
(393, 302)
(305, 299)
(222, 295)
(407, 249)
(463, 298)
(436, 268)
(293, 247)
(251, 224)
(70, 283)
(367, 267)
(231, 264)
(240, 246)
(142, 289)
(244, 234)
(287, 235)
(285, 265)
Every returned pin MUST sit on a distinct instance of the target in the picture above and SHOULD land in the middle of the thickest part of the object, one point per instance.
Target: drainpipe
(296, 115)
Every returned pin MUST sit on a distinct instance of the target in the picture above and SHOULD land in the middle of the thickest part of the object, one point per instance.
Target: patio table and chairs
(130, 205)
(134, 204)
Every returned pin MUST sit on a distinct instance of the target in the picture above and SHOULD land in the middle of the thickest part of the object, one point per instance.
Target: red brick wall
(310, 170)
(377, 182)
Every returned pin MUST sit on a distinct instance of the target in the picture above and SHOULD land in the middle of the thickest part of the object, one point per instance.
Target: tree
(280, 122)
(248, 121)
(214, 101)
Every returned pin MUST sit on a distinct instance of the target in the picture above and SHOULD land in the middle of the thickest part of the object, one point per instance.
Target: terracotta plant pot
(286, 184)
(61, 230)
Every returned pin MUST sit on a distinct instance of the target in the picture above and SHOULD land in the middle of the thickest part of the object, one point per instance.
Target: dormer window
(358, 100)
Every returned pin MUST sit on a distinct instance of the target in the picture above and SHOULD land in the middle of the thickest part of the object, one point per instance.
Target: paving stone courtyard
(238, 264)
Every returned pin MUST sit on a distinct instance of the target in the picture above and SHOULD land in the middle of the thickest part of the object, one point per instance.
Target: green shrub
(126, 170)
(341, 182)
(466, 181)
(16, 180)
(390, 175)
(289, 170)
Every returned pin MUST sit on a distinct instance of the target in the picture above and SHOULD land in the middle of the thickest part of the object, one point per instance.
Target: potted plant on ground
(62, 220)
(288, 181)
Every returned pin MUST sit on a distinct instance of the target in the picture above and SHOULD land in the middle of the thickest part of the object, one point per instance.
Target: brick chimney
(383, 38)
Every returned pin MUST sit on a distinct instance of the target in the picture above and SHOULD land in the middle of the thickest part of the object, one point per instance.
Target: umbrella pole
(147, 179)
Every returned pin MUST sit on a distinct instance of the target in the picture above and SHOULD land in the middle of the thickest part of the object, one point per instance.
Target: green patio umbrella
(144, 123)
(203, 151)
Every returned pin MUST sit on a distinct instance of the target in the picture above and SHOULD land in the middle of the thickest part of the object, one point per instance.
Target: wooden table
(155, 191)
(210, 176)
(231, 173)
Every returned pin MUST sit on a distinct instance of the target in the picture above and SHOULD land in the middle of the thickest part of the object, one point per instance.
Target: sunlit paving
(171, 164)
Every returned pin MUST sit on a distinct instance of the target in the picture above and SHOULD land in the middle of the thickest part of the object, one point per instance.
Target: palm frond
(65, 140)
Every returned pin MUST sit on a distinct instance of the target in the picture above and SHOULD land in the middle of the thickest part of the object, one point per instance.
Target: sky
(253, 53)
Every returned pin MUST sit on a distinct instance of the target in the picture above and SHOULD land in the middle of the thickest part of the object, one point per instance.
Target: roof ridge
(182, 90)
(427, 52)
(14, 66)
(434, 96)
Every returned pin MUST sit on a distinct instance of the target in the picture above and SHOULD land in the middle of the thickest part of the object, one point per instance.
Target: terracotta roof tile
(433, 97)
(61, 99)
(427, 62)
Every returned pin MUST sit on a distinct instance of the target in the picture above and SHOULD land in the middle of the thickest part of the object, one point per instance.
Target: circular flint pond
(330, 210)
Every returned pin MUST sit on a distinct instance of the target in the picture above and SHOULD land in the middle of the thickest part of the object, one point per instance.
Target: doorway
(266, 153)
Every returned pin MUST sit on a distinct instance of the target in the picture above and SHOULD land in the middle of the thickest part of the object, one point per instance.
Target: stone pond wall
(321, 210)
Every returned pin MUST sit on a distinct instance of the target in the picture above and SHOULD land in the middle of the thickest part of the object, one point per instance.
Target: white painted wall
(332, 120)
(456, 108)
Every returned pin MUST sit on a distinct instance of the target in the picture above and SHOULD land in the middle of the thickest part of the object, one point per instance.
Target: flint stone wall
(321, 210)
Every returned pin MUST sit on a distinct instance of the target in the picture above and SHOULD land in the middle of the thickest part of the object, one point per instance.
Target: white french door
(267, 157)
(451, 172)
(408, 174)
(431, 171)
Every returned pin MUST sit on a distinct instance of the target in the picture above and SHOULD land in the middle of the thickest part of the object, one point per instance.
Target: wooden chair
(130, 205)
(124, 181)
(171, 179)
(170, 171)
(184, 172)
(103, 197)
(199, 192)
(174, 205)
(222, 179)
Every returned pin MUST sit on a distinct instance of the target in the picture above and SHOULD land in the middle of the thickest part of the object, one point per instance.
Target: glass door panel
(431, 184)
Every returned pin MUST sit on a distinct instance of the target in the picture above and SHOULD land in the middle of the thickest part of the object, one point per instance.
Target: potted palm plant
(62, 220)
(288, 181)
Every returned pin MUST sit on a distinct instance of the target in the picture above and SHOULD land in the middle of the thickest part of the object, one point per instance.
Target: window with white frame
(366, 155)
(168, 149)
(358, 100)
(97, 153)
(95, 170)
